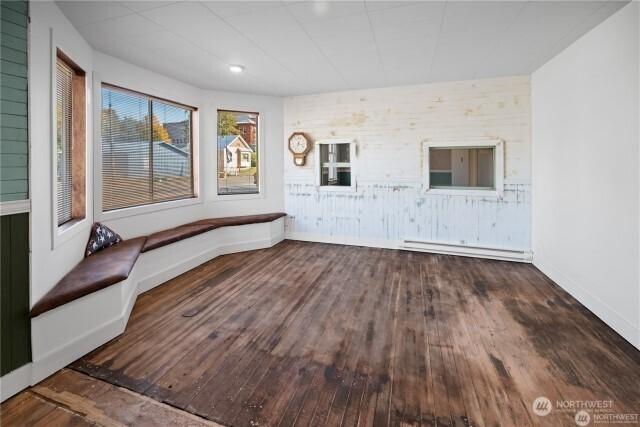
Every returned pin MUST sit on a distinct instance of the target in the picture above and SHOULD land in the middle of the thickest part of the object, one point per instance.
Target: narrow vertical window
(238, 163)
(70, 136)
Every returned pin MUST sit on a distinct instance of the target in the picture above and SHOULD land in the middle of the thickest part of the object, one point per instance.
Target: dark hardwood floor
(314, 334)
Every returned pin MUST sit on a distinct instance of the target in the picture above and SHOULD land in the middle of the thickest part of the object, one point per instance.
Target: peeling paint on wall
(388, 211)
(390, 126)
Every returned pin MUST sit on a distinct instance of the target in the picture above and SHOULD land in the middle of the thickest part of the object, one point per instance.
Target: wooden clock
(299, 145)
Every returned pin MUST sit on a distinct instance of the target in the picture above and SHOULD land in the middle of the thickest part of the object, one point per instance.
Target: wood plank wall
(390, 126)
(15, 345)
(14, 175)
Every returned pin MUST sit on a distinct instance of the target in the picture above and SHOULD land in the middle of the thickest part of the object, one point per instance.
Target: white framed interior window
(145, 152)
(335, 164)
(468, 166)
(68, 146)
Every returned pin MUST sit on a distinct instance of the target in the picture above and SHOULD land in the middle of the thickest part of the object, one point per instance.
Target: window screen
(64, 109)
(146, 150)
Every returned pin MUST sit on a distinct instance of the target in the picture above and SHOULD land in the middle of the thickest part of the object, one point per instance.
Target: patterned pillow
(101, 237)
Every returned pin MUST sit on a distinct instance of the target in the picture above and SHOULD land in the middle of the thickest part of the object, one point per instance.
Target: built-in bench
(95, 272)
(114, 264)
(172, 235)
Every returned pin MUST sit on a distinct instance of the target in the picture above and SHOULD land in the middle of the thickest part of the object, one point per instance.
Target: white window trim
(65, 232)
(353, 162)
(485, 142)
(262, 120)
(97, 166)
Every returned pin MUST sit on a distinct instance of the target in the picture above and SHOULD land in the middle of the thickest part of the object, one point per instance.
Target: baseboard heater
(466, 250)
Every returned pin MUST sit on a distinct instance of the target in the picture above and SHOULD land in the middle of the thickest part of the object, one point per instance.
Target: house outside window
(238, 161)
(147, 149)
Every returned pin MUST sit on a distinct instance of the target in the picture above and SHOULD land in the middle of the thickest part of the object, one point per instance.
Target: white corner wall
(586, 163)
(48, 262)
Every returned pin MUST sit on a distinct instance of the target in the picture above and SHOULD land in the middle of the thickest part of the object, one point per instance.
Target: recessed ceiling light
(236, 68)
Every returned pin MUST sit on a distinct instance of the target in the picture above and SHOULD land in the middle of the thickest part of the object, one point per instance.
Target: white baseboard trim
(607, 314)
(343, 240)
(15, 381)
(413, 245)
(54, 346)
(70, 350)
(468, 251)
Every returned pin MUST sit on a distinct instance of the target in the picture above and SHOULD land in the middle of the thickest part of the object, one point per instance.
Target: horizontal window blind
(64, 108)
(146, 150)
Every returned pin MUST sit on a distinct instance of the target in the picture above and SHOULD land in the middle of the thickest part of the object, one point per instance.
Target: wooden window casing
(70, 144)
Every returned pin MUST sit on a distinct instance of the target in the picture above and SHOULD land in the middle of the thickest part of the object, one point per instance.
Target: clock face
(298, 144)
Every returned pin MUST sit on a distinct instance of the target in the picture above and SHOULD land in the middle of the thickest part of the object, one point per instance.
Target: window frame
(61, 233)
(261, 129)
(352, 164)
(101, 215)
(481, 142)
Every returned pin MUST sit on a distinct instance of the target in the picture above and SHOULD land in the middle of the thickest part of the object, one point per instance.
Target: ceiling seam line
(243, 35)
(317, 46)
(211, 54)
(435, 48)
(560, 39)
(506, 29)
(375, 41)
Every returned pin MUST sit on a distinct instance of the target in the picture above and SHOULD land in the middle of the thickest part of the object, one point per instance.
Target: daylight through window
(147, 150)
(238, 165)
(70, 138)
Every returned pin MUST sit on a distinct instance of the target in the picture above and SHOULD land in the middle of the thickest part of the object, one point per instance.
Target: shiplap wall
(13, 103)
(15, 342)
(390, 126)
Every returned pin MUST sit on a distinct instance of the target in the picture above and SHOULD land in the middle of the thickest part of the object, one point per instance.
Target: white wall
(390, 126)
(50, 264)
(586, 163)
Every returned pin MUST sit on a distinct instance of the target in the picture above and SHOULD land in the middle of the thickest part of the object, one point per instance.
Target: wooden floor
(314, 334)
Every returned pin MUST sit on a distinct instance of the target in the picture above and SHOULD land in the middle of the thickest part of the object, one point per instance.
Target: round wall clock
(299, 145)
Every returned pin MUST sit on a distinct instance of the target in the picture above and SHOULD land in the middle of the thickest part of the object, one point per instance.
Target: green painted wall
(15, 325)
(14, 146)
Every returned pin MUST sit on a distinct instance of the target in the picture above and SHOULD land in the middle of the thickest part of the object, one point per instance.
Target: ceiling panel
(316, 12)
(226, 9)
(85, 12)
(297, 47)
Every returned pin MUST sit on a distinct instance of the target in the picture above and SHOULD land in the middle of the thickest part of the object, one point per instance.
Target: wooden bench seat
(113, 265)
(95, 272)
(172, 235)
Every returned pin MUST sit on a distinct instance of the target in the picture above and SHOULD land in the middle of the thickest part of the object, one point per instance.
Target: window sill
(146, 209)
(67, 231)
(238, 196)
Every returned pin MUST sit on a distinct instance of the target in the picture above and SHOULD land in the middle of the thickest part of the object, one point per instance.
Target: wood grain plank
(313, 334)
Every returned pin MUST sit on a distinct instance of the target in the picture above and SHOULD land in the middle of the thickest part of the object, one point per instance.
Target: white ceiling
(300, 47)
